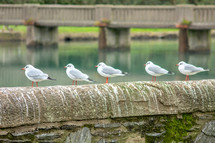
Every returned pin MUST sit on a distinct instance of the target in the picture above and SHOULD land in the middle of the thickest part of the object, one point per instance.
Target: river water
(85, 55)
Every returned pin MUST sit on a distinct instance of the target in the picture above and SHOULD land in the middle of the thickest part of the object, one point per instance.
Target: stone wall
(119, 112)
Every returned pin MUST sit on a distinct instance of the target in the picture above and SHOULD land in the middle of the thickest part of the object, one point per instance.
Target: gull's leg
(107, 80)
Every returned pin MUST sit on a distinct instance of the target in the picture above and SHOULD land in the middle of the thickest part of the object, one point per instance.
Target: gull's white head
(148, 63)
(27, 67)
(180, 63)
(101, 64)
(69, 66)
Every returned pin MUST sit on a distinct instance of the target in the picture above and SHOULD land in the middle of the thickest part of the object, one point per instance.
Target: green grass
(21, 29)
(78, 29)
(152, 30)
(89, 29)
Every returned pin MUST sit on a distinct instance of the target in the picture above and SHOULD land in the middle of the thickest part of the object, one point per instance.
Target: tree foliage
(114, 2)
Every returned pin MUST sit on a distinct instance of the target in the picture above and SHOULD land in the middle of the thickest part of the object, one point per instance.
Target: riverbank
(90, 33)
(89, 36)
(134, 36)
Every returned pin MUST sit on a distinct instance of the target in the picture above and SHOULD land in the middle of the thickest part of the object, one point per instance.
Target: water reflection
(85, 55)
(10, 53)
(43, 56)
(116, 58)
(196, 59)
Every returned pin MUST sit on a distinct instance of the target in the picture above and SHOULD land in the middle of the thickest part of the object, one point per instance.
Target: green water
(85, 55)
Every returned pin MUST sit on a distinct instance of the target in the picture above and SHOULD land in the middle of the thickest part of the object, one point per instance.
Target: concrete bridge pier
(183, 40)
(199, 40)
(191, 40)
(41, 36)
(114, 38)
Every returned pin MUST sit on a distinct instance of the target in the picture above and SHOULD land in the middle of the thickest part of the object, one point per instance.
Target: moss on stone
(90, 126)
(176, 129)
(9, 136)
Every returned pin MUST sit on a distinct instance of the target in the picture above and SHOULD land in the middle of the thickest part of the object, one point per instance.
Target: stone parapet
(26, 105)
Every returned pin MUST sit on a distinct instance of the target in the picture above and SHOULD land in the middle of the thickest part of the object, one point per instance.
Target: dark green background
(114, 2)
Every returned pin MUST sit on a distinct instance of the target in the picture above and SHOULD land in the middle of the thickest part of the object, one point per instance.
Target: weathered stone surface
(48, 136)
(155, 134)
(204, 139)
(27, 105)
(101, 141)
(22, 134)
(208, 133)
(131, 124)
(135, 126)
(107, 141)
(47, 142)
(81, 136)
(3, 133)
(68, 127)
(14, 141)
(107, 133)
(141, 129)
(209, 129)
(137, 139)
(111, 125)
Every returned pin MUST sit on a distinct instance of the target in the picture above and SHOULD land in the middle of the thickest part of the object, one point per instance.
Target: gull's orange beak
(176, 64)
(64, 66)
(96, 66)
(144, 64)
(22, 68)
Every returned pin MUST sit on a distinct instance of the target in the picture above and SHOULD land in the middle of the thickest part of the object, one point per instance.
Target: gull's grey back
(110, 70)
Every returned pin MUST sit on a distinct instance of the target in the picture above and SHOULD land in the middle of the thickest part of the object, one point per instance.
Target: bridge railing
(119, 16)
(204, 15)
(144, 16)
(12, 14)
(66, 15)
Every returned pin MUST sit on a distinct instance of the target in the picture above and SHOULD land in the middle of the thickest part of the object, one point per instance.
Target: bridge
(114, 21)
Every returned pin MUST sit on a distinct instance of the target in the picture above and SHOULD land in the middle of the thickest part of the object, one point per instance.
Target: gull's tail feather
(125, 73)
(91, 80)
(206, 70)
(50, 78)
(170, 73)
